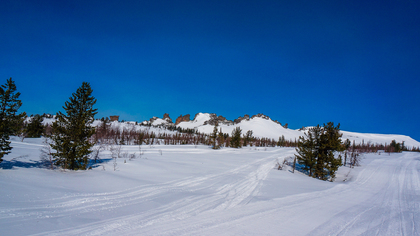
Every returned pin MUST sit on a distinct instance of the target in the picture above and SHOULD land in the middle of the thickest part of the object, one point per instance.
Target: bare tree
(141, 153)
(355, 159)
(96, 151)
(115, 153)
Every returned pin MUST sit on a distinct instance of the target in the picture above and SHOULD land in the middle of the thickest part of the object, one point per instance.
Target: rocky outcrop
(182, 119)
(214, 119)
(152, 119)
(167, 118)
(261, 116)
(114, 118)
(237, 121)
(220, 120)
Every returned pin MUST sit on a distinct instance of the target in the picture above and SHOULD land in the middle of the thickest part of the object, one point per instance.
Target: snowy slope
(194, 190)
(267, 128)
(262, 127)
(380, 138)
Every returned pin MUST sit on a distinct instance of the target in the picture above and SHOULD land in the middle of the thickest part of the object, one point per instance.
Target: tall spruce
(72, 131)
(307, 149)
(9, 119)
(330, 143)
(214, 136)
(235, 142)
(316, 151)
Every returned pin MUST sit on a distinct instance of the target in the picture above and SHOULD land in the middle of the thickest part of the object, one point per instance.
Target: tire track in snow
(357, 208)
(385, 211)
(220, 198)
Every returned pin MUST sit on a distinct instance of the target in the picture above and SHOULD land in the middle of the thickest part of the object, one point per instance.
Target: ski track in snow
(227, 196)
(390, 207)
(384, 199)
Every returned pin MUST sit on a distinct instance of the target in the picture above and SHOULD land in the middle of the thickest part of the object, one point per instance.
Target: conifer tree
(35, 128)
(248, 138)
(213, 137)
(221, 138)
(330, 143)
(235, 142)
(347, 145)
(9, 106)
(307, 149)
(72, 131)
(316, 151)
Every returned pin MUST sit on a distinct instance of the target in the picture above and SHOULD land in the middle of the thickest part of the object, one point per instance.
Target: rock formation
(182, 119)
(114, 118)
(167, 118)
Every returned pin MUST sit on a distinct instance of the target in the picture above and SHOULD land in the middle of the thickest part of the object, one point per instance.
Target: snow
(380, 138)
(198, 121)
(195, 190)
(159, 121)
(267, 128)
(261, 127)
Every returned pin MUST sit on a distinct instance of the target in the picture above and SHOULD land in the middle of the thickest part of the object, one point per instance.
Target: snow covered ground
(194, 190)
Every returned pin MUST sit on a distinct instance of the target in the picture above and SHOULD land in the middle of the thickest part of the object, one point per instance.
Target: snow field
(194, 190)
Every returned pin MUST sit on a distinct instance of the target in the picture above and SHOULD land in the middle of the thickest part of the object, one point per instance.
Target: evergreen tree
(9, 106)
(35, 128)
(221, 138)
(394, 146)
(316, 151)
(282, 141)
(213, 137)
(347, 145)
(307, 149)
(235, 142)
(72, 131)
(330, 143)
(248, 138)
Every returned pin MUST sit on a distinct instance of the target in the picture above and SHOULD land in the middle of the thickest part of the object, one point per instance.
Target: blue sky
(300, 62)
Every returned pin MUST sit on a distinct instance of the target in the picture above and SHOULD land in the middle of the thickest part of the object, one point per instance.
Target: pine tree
(213, 137)
(394, 146)
(72, 131)
(330, 143)
(235, 142)
(248, 138)
(221, 138)
(307, 149)
(316, 151)
(10, 104)
(35, 128)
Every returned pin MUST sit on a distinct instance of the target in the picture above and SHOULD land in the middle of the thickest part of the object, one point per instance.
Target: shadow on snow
(9, 165)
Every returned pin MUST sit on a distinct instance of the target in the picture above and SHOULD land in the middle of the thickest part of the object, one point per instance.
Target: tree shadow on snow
(22, 164)
(97, 164)
(8, 165)
(299, 168)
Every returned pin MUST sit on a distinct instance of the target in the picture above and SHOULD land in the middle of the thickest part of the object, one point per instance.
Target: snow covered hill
(261, 125)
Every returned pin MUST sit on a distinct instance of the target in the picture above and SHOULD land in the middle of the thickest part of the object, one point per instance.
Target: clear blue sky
(300, 62)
